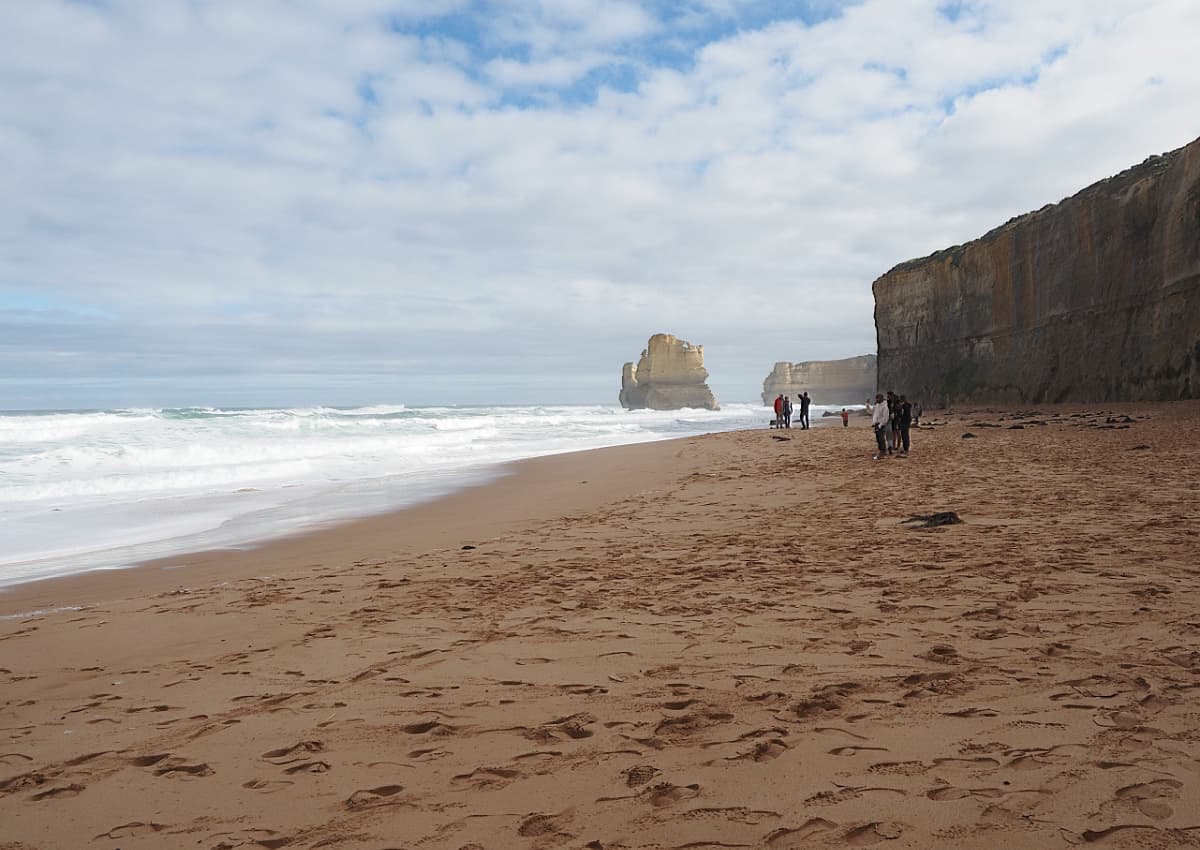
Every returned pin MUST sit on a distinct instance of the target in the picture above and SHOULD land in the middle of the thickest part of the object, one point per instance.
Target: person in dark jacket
(906, 417)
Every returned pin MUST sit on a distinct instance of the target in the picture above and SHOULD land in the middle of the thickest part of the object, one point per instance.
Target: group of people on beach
(892, 417)
(783, 411)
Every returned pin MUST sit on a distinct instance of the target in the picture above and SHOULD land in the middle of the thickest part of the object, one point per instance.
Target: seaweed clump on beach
(932, 520)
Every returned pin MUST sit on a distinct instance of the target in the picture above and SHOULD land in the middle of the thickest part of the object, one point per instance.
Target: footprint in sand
(942, 684)
(688, 725)
(1150, 798)
(536, 825)
(538, 755)
(798, 838)
(71, 790)
(899, 768)
(372, 797)
(950, 792)
(178, 770)
(873, 833)
(842, 794)
(160, 707)
(1093, 836)
(247, 838)
(308, 767)
(639, 774)
(766, 750)
(762, 750)
(768, 697)
(679, 705)
(572, 727)
(489, 777)
(83, 759)
(432, 727)
(827, 700)
(666, 794)
(942, 653)
(147, 761)
(977, 761)
(972, 712)
(132, 830)
(24, 780)
(853, 751)
(267, 786)
(296, 752)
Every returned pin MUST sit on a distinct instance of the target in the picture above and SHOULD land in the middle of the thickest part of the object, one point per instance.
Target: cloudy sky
(482, 201)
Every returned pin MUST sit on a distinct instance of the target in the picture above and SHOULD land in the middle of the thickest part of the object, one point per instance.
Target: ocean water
(103, 489)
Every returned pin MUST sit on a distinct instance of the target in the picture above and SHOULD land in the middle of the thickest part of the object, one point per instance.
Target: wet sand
(722, 641)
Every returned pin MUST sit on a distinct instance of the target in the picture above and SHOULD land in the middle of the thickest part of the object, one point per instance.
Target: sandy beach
(723, 641)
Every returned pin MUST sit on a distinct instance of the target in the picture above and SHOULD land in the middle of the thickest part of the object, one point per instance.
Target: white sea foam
(102, 489)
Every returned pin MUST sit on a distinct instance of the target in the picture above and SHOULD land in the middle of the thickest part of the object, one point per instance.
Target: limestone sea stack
(669, 376)
(847, 381)
(1095, 298)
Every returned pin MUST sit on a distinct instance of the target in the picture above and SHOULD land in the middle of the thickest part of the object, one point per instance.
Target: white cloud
(320, 167)
(557, 71)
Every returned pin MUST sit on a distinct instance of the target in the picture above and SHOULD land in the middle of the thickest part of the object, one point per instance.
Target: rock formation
(848, 381)
(1095, 298)
(670, 376)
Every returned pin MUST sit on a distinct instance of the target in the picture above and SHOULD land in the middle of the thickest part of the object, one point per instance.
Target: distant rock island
(669, 376)
(847, 381)
(1095, 298)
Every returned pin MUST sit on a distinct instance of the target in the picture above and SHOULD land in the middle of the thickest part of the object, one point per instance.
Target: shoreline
(723, 640)
(88, 581)
(53, 539)
(529, 489)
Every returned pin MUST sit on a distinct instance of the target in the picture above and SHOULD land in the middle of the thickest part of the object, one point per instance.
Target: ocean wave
(61, 470)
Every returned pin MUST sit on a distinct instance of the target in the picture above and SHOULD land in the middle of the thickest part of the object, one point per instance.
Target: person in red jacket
(779, 411)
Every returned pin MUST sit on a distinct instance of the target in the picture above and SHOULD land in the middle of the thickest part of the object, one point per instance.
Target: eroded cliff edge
(669, 376)
(846, 381)
(1095, 298)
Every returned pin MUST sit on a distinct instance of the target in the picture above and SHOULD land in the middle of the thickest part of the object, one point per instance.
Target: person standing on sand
(879, 420)
(778, 423)
(895, 405)
(787, 411)
(805, 401)
(905, 421)
(845, 417)
(887, 421)
(916, 414)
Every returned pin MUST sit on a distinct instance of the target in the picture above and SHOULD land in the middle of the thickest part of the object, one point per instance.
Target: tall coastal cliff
(1095, 298)
(847, 381)
(669, 376)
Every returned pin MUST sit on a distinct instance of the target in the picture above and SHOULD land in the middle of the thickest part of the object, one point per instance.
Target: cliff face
(846, 381)
(1096, 298)
(669, 376)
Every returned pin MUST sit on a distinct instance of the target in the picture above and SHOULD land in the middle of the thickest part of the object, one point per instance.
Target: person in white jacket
(879, 421)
